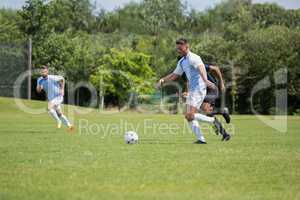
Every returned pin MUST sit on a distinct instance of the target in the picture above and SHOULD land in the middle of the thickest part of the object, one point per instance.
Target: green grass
(37, 161)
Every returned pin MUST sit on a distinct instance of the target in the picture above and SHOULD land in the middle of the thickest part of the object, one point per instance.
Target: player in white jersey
(54, 87)
(195, 71)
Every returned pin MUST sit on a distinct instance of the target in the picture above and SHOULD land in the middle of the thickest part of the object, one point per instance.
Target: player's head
(182, 46)
(44, 71)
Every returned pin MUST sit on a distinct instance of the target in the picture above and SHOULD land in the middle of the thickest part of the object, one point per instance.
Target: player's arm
(203, 74)
(61, 81)
(186, 90)
(170, 77)
(39, 87)
(186, 86)
(62, 85)
(217, 73)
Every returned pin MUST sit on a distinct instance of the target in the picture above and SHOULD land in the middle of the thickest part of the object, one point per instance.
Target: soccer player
(194, 69)
(215, 76)
(54, 87)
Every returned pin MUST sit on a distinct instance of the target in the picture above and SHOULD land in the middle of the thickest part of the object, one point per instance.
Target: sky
(198, 4)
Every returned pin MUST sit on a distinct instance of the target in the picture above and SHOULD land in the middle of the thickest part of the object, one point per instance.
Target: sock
(204, 118)
(65, 121)
(212, 114)
(53, 113)
(196, 129)
(215, 113)
(220, 111)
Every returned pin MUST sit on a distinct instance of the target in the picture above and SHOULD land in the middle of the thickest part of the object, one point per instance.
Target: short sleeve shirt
(51, 85)
(190, 66)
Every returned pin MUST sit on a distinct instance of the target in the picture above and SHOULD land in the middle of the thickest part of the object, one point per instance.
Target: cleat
(71, 128)
(226, 137)
(59, 125)
(226, 115)
(199, 142)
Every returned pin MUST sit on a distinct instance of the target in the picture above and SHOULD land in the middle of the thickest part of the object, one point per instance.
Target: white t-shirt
(190, 65)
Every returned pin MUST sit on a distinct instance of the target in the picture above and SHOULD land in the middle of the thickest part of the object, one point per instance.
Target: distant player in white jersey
(195, 71)
(54, 87)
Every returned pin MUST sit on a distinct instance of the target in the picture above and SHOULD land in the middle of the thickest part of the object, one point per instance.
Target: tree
(40, 17)
(267, 15)
(123, 72)
(9, 32)
(65, 52)
(265, 52)
(76, 15)
(33, 17)
(148, 17)
(12, 52)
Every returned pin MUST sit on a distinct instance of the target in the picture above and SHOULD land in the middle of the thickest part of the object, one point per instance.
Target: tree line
(249, 42)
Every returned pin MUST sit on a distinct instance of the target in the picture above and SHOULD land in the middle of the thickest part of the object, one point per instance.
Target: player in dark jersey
(215, 76)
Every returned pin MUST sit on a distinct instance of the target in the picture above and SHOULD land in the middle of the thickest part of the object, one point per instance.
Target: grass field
(37, 161)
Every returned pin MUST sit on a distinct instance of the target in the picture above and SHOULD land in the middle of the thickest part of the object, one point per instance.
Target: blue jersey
(51, 85)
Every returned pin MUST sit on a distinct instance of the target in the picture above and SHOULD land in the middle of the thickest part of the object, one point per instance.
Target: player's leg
(52, 112)
(220, 129)
(194, 124)
(208, 105)
(217, 124)
(207, 108)
(210, 119)
(195, 100)
(215, 98)
(205, 118)
(59, 123)
(224, 112)
(63, 118)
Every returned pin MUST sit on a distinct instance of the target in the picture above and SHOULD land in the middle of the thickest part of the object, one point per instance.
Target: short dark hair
(181, 41)
(44, 67)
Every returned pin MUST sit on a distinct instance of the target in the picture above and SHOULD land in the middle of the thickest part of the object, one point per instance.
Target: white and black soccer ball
(131, 137)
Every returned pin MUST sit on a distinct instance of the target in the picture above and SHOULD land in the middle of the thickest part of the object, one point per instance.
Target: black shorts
(211, 96)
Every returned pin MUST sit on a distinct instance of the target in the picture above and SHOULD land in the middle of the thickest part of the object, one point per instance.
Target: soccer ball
(131, 137)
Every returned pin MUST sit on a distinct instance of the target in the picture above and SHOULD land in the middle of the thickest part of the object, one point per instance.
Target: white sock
(53, 113)
(204, 118)
(196, 129)
(65, 121)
